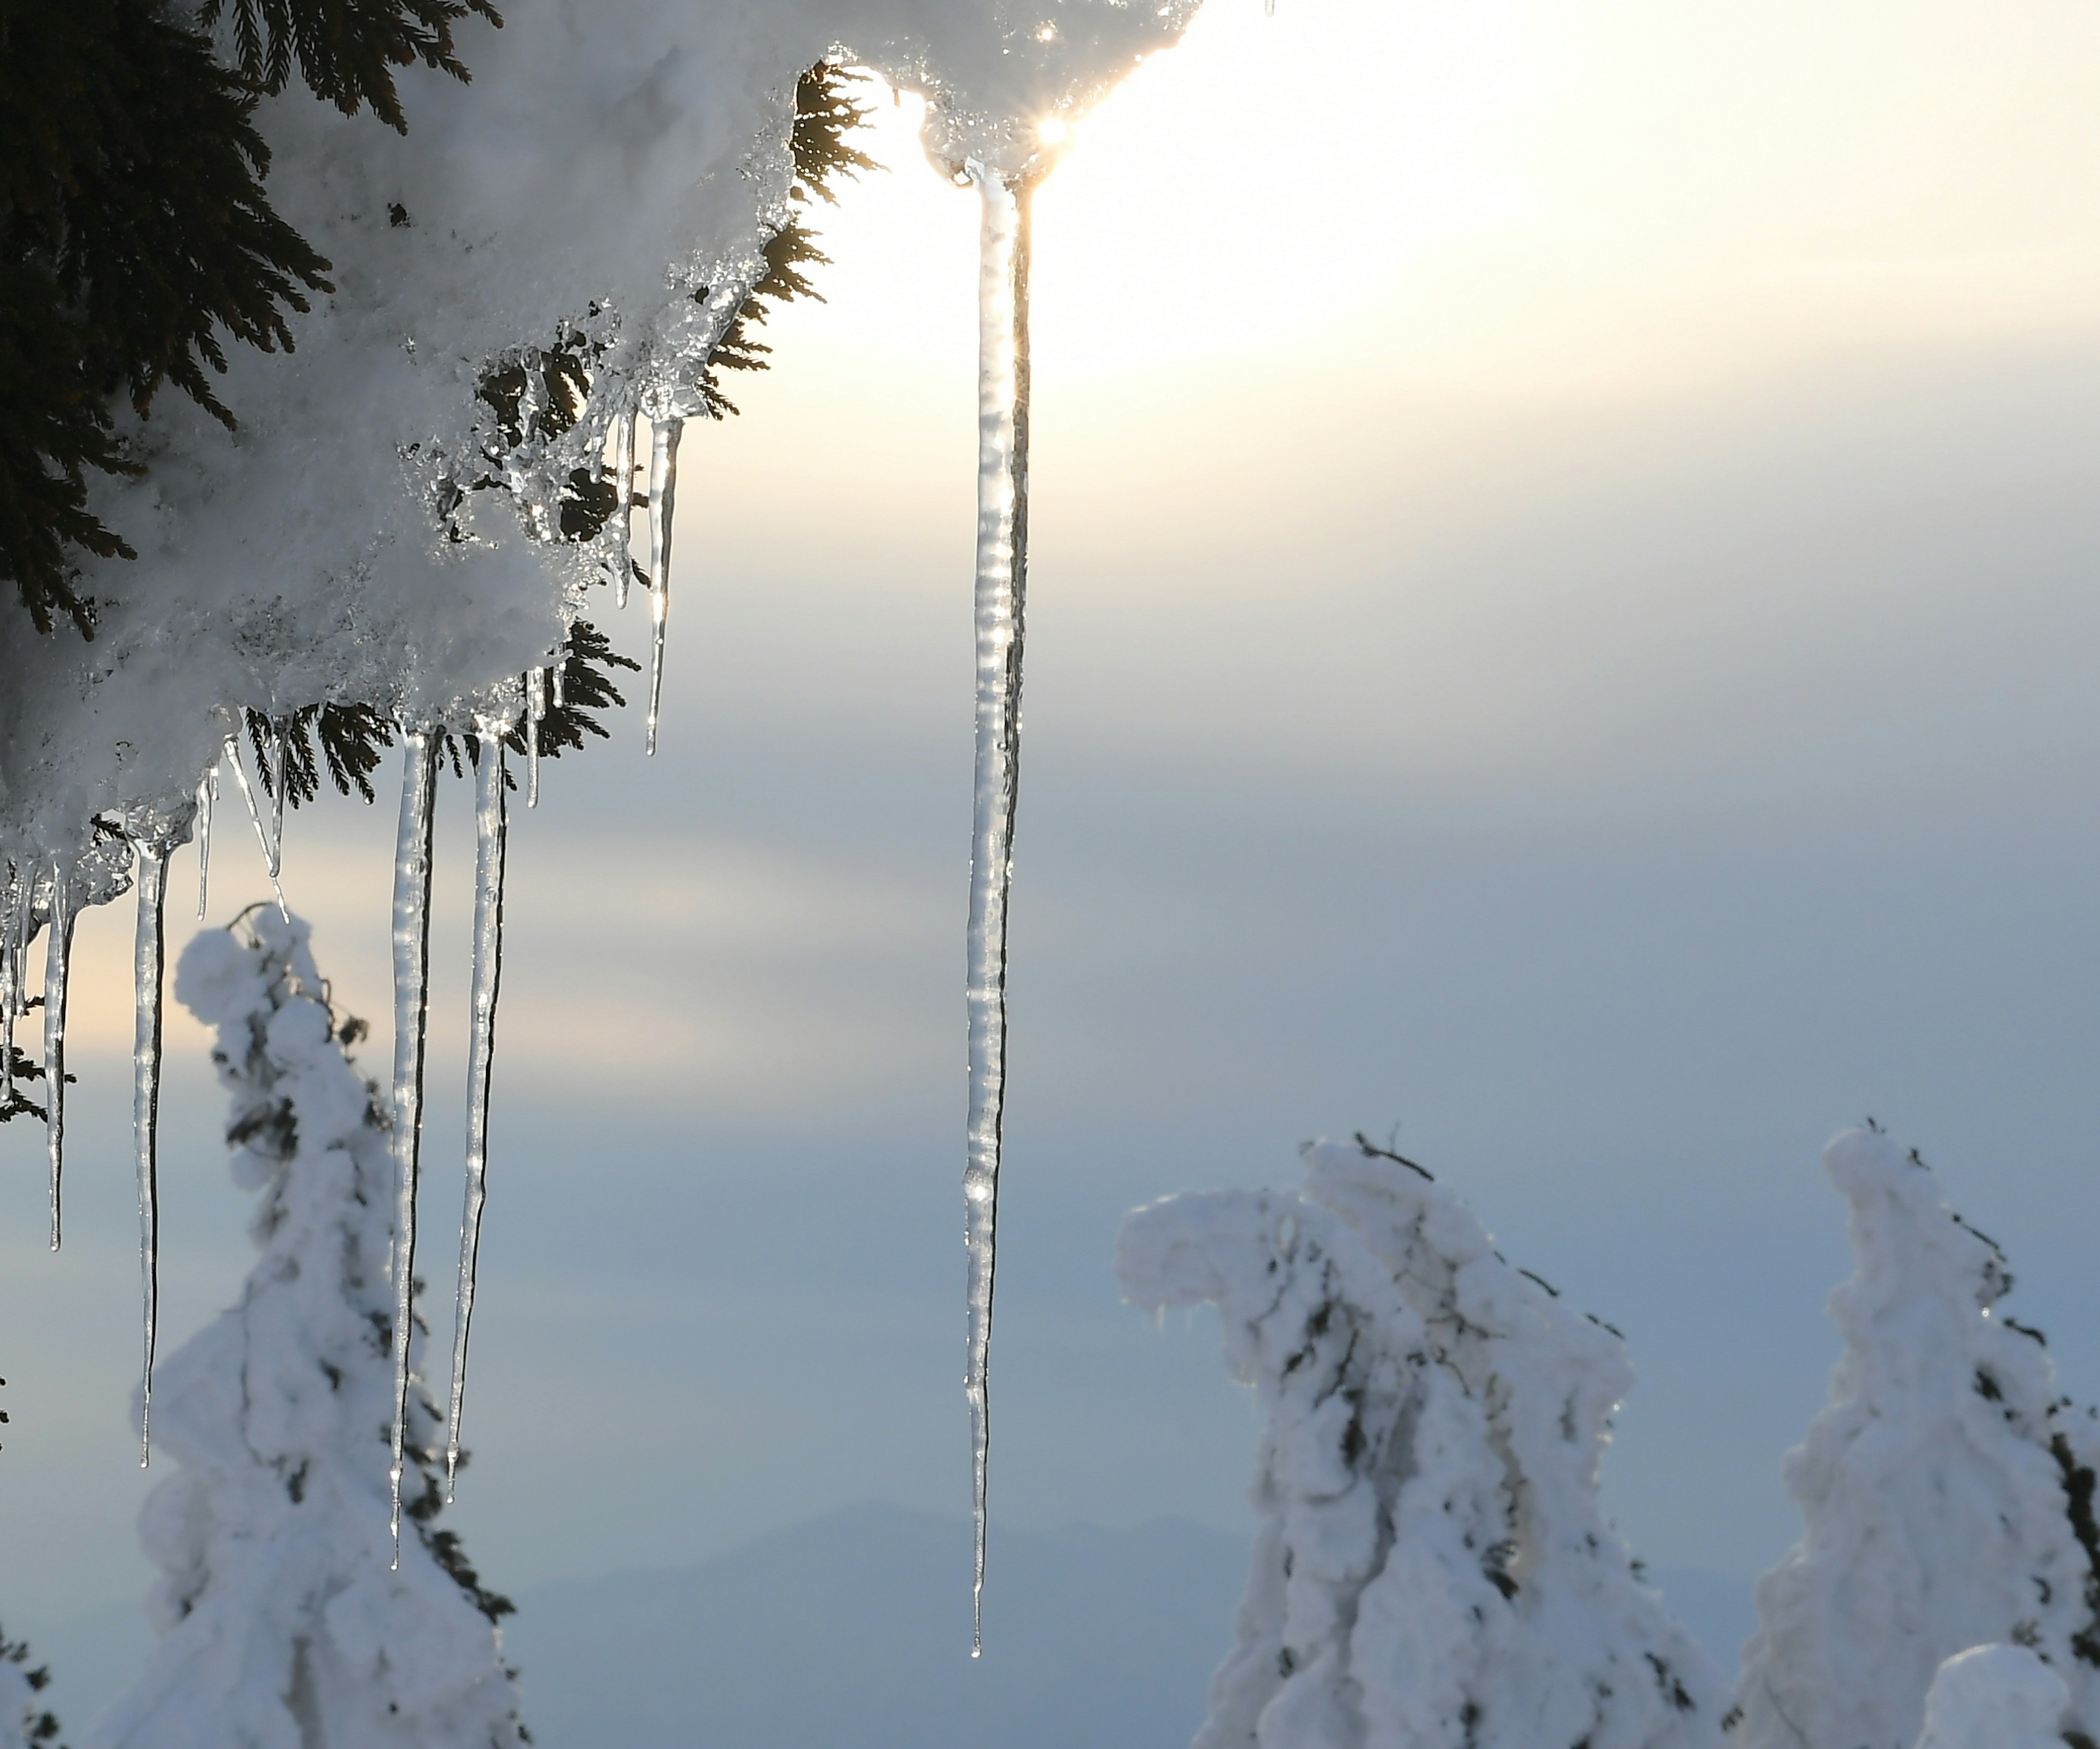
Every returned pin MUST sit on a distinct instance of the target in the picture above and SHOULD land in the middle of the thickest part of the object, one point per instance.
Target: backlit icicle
(411, 1005)
(255, 818)
(622, 501)
(1001, 584)
(490, 829)
(281, 733)
(207, 802)
(663, 492)
(58, 950)
(154, 836)
(560, 676)
(13, 899)
(536, 692)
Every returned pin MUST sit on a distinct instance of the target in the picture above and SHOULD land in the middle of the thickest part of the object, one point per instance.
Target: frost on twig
(1946, 1489)
(1433, 1569)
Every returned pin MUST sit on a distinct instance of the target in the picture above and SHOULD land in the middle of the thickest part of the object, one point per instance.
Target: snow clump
(1994, 1697)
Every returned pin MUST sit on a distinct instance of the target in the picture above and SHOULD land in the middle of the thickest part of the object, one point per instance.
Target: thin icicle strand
(559, 673)
(279, 735)
(623, 503)
(411, 1008)
(663, 493)
(255, 818)
(57, 952)
(11, 984)
(146, 964)
(490, 832)
(535, 690)
(207, 801)
(1001, 587)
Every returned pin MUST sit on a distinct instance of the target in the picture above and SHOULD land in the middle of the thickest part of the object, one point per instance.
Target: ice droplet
(411, 1007)
(1001, 590)
(663, 492)
(491, 833)
(58, 950)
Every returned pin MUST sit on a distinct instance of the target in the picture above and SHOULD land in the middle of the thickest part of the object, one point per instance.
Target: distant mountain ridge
(852, 1632)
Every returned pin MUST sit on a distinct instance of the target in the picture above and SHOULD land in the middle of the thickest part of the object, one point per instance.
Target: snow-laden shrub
(1433, 1569)
(1994, 1697)
(283, 1623)
(1946, 1489)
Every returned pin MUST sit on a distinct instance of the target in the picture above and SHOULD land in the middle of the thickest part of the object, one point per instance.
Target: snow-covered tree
(284, 1624)
(1433, 1569)
(1946, 1489)
(25, 1722)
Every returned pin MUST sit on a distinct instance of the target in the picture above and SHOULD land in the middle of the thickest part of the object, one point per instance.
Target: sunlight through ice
(1001, 587)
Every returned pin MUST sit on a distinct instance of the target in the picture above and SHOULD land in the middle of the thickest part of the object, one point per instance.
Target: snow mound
(1433, 1568)
(1946, 1491)
(1994, 1697)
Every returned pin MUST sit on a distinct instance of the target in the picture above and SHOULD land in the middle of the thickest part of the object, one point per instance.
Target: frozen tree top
(1945, 1489)
(608, 175)
(1433, 1569)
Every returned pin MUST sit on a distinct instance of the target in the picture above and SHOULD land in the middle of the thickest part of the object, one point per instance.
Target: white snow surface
(1994, 1697)
(1433, 1569)
(1932, 1489)
(283, 1625)
(614, 166)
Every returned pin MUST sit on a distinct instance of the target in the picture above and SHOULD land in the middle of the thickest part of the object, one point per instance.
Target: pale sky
(1561, 618)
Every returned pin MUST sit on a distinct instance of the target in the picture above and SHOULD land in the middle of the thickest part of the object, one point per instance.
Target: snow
(609, 174)
(1432, 1567)
(1994, 1697)
(1932, 1487)
(282, 1622)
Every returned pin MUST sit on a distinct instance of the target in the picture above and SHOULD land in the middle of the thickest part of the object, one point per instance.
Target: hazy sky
(1561, 619)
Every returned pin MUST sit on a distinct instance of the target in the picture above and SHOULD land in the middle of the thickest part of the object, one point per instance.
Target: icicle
(255, 819)
(1001, 583)
(207, 799)
(663, 490)
(279, 735)
(560, 672)
(622, 501)
(58, 950)
(412, 1003)
(153, 835)
(536, 689)
(11, 986)
(491, 830)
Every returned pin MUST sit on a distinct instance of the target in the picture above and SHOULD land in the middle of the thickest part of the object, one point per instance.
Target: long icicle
(411, 1007)
(12, 900)
(255, 818)
(1001, 590)
(663, 494)
(57, 952)
(622, 501)
(535, 694)
(207, 804)
(281, 733)
(491, 828)
(147, 968)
